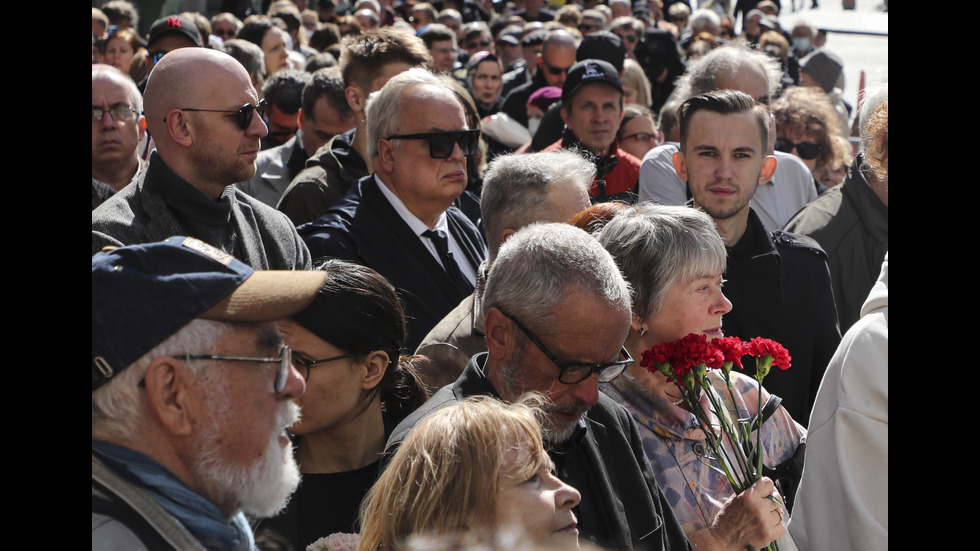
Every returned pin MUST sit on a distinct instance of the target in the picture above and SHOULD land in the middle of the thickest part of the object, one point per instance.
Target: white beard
(261, 490)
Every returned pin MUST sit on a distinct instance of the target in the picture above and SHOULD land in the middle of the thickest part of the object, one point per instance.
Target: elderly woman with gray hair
(674, 259)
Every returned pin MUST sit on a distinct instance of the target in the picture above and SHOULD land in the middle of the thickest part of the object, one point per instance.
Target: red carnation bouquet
(686, 362)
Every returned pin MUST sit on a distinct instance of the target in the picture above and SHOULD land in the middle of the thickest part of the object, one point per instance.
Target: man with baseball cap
(592, 109)
(166, 35)
(192, 390)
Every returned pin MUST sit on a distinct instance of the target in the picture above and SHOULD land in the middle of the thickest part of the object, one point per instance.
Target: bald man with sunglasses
(400, 220)
(205, 118)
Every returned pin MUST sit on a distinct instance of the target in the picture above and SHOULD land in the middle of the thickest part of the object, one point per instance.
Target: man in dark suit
(400, 220)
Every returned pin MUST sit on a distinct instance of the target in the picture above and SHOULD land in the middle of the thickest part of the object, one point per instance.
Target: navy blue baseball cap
(586, 72)
(143, 294)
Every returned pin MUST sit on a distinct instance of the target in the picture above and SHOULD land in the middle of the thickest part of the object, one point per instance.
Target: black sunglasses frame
(442, 144)
(245, 114)
(807, 150)
(567, 366)
(310, 364)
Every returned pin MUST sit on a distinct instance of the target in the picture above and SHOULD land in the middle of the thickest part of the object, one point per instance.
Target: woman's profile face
(542, 504)
(274, 46)
(334, 389)
(695, 306)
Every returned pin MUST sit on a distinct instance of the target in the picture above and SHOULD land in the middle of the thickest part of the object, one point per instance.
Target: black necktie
(441, 241)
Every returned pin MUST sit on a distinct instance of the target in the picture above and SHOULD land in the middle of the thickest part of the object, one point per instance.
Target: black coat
(363, 227)
(779, 286)
(622, 506)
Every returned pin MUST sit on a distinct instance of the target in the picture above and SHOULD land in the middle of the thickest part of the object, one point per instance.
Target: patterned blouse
(674, 443)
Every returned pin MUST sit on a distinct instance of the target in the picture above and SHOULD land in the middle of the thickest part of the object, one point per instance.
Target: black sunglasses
(245, 114)
(554, 70)
(806, 150)
(573, 372)
(441, 144)
(631, 38)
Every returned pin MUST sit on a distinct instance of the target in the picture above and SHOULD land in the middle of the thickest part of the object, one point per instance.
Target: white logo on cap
(592, 71)
(207, 250)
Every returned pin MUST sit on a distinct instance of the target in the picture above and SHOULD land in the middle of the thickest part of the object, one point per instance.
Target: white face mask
(801, 44)
(533, 124)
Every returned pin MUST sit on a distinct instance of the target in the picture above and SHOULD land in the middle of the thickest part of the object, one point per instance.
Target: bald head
(193, 78)
(194, 103)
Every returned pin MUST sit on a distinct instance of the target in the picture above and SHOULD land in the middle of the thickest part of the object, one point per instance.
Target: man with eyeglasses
(225, 26)
(556, 57)
(517, 190)
(192, 391)
(401, 220)
(118, 127)
(778, 282)
(166, 35)
(733, 67)
(206, 121)
(557, 312)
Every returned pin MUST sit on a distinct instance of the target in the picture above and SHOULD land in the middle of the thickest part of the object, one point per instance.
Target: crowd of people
(448, 233)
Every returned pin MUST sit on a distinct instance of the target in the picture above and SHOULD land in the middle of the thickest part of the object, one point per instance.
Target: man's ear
(768, 168)
(141, 127)
(169, 393)
(386, 155)
(356, 98)
(179, 129)
(500, 335)
(680, 166)
(300, 117)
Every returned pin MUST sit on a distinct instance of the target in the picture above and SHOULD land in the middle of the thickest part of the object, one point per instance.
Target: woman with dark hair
(269, 34)
(485, 80)
(347, 345)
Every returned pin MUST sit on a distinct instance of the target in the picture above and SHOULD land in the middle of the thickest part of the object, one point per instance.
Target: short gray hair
(116, 404)
(108, 72)
(537, 267)
(516, 185)
(658, 246)
(385, 105)
(702, 74)
(871, 99)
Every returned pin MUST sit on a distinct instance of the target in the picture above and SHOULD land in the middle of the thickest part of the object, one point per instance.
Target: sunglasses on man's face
(554, 70)
(245, 114)
(442, 144)
(806, 150)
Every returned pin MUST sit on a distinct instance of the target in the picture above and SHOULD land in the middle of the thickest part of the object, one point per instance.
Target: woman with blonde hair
(473, 470)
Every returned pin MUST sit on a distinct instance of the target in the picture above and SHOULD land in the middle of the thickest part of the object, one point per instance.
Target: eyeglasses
(119, 113)
(554, 70)
(641, 136)
(477, 44)
(585, 27)
(284, 360)
(573, 372)
(224, 32)
(442, 144)
(806, 150)
(303, 365)
(244, 114)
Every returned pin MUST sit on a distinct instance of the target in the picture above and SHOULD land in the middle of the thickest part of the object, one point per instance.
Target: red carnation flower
(759, 347)
(732, 348)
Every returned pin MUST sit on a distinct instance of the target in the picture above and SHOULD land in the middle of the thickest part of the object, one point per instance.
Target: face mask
(533, 124)
(801, 44)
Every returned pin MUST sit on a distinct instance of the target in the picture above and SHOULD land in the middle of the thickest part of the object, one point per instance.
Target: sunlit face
(487, 82)
(589, 330)
(593, 114)
(639, 135)
(113, 141)
(722, 162)
(555, 63)
(224, 30)
(274, 47)
(222, 152)
(118, 53)
(541, 505)
(796, 136)
(425, 184)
